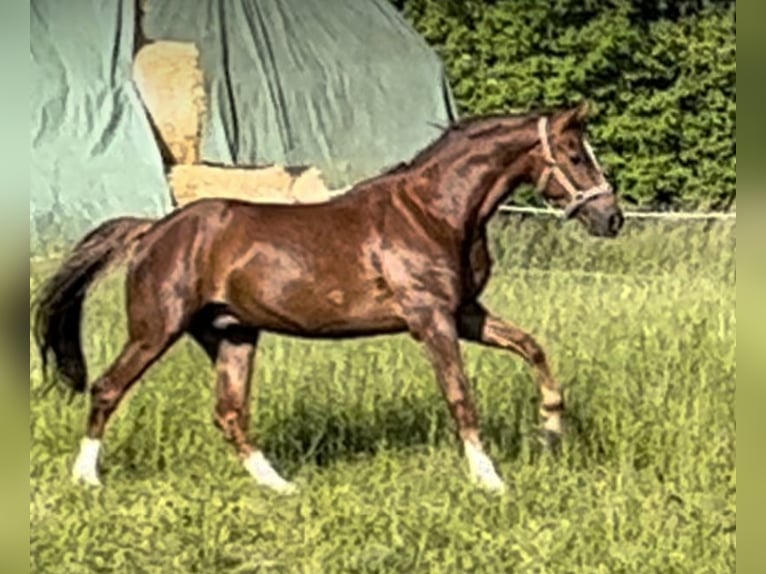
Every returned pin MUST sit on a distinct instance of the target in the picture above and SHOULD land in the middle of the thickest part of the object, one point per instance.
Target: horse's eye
(575, 158)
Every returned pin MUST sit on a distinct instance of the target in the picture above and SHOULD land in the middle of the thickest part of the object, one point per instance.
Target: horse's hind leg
(154, 324)
(234, 370)
(136, 357)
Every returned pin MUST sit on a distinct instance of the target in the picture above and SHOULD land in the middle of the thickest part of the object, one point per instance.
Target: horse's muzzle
(606, 225)
(601, 221)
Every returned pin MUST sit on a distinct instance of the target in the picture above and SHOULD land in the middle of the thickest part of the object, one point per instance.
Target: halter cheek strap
(577, 198)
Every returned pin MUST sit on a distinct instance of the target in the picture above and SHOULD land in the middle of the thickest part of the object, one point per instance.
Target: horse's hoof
(551, 441)
(288, 488)
(90, 480)
(493, 485)
(265, 475)
(85, 467)
(280, 486)
(482, 470)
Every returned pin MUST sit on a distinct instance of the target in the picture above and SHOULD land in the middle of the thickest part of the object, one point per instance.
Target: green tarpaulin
(93, 153)
(345, 85)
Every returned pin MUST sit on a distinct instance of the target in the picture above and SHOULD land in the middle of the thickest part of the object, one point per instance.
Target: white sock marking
(482, 469)
(265, 475)
(85, 468)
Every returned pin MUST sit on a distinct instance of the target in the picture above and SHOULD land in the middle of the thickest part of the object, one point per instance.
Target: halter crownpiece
(577, 197)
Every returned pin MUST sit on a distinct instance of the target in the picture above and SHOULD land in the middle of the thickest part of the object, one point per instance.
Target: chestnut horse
(405, 251)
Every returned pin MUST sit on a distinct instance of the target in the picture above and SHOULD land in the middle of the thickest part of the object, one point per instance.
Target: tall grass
(640, 330)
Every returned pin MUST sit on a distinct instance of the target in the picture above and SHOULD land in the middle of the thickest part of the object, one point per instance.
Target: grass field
(641, 331)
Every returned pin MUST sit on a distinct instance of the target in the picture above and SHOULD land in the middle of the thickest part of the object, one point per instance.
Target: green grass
(641, 331)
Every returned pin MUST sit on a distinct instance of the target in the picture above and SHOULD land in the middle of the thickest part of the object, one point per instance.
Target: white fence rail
(680, 215)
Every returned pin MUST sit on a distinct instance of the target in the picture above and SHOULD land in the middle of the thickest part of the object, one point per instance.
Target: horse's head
(570, 177)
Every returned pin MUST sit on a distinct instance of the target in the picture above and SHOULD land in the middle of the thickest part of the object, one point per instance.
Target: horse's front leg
(438, 332)
(476, 324)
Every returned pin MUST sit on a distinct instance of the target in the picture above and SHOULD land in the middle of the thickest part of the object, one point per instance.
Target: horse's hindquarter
(308, 270)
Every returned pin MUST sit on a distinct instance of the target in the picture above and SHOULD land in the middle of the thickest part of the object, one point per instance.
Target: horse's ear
(581, 112)
(573, 118)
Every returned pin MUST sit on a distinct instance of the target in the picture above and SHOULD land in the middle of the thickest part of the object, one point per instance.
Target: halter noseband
(577, 198)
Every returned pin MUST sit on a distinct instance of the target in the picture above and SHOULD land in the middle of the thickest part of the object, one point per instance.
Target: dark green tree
(661, 76)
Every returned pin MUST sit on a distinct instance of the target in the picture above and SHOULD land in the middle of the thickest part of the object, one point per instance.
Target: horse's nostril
(615, 222)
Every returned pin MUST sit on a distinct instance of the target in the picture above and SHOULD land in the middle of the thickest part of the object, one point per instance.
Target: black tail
(58, 306)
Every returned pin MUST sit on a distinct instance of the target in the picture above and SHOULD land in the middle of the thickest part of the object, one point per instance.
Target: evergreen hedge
(661, 78)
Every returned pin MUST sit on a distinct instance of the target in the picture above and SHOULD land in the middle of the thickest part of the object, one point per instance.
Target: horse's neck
(470, 189)
(503, 187)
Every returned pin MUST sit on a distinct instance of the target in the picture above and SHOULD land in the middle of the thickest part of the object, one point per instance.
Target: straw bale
(309, 187)
(272, 184)
(171, 85)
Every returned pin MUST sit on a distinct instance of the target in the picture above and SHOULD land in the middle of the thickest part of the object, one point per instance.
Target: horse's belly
(318, 309)
(341, 328)
(321, 319)
(292, 288)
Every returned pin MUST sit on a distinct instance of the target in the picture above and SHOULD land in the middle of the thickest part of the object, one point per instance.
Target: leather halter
(577, 198)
